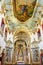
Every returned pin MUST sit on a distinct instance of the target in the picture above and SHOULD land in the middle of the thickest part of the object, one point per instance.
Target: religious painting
(8, 54)
(35, 55)
(19, 52)
(24, 9)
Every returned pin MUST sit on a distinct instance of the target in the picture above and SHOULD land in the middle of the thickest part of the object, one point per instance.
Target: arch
(21, 47)
(24, 30)
(20, 40)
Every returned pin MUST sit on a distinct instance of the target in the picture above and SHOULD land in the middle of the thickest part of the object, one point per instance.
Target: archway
(23, 33)
(21, 44)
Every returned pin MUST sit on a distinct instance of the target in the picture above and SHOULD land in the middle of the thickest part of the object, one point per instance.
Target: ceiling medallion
(23, 9)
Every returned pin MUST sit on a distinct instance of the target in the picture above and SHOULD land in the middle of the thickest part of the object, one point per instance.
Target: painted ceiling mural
(16, 16)
(23, 9)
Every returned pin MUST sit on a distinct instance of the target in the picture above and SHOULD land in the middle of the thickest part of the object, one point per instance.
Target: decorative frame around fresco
(24, 15)
(35, 55)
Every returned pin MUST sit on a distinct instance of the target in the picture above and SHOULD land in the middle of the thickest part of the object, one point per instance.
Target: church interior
(21, 32)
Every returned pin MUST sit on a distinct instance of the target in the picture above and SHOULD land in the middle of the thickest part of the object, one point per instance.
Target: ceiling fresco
(16, 18)
(23, 9)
